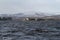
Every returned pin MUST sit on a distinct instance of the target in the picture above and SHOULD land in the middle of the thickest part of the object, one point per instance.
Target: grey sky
(16, 6)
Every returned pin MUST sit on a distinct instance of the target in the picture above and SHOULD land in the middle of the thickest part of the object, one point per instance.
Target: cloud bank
(16, 6)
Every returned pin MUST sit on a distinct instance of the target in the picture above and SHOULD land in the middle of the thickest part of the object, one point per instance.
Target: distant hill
(52, 17)
(32, 14)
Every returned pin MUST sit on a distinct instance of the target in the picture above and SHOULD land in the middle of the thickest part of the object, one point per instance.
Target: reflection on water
(30, 30)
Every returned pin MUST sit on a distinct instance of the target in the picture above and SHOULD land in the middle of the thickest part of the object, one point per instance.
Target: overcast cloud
(16, 6)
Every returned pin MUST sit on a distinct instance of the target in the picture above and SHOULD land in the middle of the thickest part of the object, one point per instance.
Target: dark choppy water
(30, 30)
